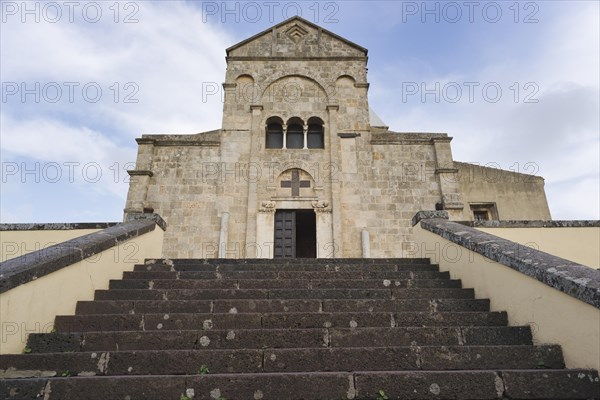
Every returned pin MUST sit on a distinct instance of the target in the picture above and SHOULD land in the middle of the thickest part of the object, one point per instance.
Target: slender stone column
(366, 244)
(305, 137)
(224, 235)
(284, 127)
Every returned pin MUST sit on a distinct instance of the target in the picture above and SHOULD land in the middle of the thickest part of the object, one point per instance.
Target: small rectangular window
(484, 211)
(481, 215)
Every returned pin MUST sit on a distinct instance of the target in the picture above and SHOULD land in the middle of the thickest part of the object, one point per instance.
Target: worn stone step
(430, 336)
(206, 387)
(296, 275)
(278, 338)
(178, 340)
(153, 322)
(396, 385)
(274, 306)
(402, 319)
(282, 284)
(507, 384)
(196, 362)
(175, 294)
(190, 306)
(412, 358)
(282, 262)
(256, 294)
(324, 267)
(149, 322)
(148, 362)
(432, 305)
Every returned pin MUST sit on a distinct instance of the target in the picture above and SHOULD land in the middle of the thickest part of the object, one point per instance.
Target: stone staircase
(289, 330)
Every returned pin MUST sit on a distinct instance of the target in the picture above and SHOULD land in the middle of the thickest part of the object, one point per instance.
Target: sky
(516, 84)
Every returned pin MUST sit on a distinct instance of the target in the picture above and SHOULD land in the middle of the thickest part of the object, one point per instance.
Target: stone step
(395, 385)
(296, 275)
(282, 262)
(150, 322)
(278, 306)
(320, 267)
(282, 284)
(430, 336)
(411, 358)
(256, 294)
(279, 338)
(191, 362)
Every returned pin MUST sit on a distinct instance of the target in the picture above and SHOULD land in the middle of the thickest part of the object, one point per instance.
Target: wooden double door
(295, 234)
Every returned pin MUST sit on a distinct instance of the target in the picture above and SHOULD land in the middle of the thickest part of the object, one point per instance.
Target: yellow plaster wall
(575, 244)
(31, 307)
(555, 317)
(518, 196)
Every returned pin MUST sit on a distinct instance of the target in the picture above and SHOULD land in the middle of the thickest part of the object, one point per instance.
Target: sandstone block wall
(365, 178)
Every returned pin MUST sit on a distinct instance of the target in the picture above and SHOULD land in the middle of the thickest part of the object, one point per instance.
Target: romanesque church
(303, 167)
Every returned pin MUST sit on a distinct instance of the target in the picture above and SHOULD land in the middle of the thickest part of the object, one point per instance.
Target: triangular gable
(297, 28)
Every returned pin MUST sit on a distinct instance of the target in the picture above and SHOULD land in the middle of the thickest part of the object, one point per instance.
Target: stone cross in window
(295, 183)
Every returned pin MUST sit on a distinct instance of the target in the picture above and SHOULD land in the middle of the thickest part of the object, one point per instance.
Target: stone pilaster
(255, 147)
(140, 178)
(325, 244)
(335, 156)
(265, 222)
(448, 178)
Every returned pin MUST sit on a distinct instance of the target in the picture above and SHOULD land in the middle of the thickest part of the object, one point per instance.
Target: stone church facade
(302, 167)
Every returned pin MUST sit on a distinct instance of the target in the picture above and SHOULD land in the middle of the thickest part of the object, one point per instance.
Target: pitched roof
(375, 121)
(304, 21)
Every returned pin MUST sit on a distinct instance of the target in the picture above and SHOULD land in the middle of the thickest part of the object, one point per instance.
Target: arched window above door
(315, 138)
(295, 133)
(274, 139)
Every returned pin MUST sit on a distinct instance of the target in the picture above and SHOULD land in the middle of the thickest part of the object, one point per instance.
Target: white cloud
(18, 215)
(167, 56)
(573, 200)
(57, 152)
